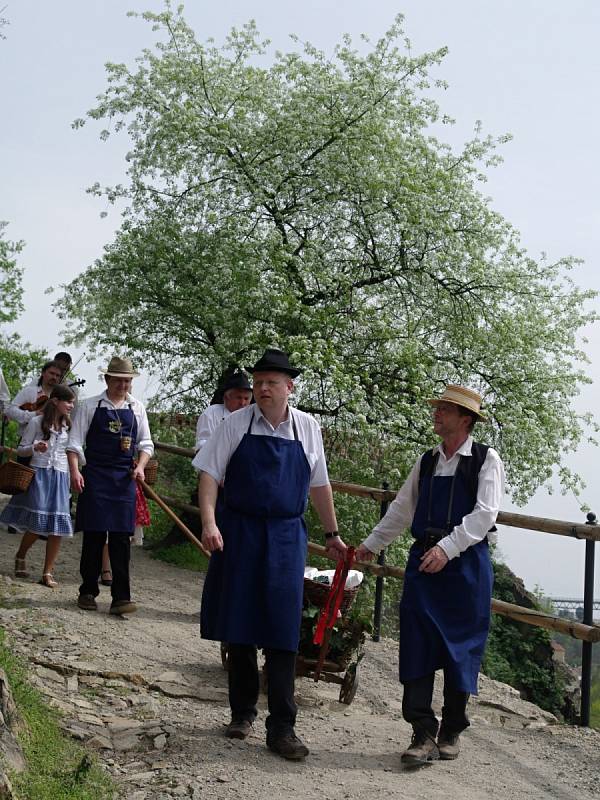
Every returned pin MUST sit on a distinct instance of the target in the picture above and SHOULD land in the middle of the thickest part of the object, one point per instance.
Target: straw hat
(120, 368)
(461, 396)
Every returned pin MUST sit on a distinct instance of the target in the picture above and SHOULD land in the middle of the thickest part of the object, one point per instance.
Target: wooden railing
(585, 631)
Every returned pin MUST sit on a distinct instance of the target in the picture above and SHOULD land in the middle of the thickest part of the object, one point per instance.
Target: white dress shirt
(474, 526)
(55, 456)
(4, 393)
(84, 413)
(208, 421)
(214, 457)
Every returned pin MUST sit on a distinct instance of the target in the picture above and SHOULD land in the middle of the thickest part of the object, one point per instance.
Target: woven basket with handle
(15, 478)
(316, 594)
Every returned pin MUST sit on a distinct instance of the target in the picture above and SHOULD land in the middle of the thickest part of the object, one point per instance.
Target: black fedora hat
(273, 360)
(237, 380)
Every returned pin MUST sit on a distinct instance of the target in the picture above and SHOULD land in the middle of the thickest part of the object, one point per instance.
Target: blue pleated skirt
(44, 507)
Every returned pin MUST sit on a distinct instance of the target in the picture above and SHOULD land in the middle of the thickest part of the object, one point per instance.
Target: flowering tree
(305, 204)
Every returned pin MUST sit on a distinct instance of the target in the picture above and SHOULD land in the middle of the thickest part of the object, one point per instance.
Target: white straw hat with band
(461, 396)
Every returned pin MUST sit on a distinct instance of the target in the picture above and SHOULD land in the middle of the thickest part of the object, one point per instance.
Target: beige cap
(120, 368)
(461, 396)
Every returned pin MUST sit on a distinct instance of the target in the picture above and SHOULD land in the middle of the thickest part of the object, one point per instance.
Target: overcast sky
(528, 67)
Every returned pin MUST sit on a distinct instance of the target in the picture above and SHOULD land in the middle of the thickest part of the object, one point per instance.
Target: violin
(37, 405)
(41, 401)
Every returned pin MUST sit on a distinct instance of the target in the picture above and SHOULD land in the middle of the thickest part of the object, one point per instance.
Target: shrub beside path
(150, 698)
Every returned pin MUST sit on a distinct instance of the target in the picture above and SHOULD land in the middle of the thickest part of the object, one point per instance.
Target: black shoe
(238, 729)
(288, 745)
(87, 602)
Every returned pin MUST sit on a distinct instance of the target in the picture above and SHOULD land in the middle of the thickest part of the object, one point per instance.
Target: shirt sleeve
(214, 457)
(204, 428)
(17, 414)
(30, 435)
(474, 526)
(80, 423)
(399, 515)
(144, 441)
(319, 475)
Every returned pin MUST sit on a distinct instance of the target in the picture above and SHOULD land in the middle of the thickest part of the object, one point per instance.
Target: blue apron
(253, 588)
(445, 616)
(108, 501)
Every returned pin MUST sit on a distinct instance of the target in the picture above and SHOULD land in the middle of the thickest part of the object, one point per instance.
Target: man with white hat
(108, 431)
(450, 501)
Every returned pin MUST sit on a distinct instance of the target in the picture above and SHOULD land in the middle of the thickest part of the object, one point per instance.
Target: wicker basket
(151, 471)
(316, 594)
(15, 478)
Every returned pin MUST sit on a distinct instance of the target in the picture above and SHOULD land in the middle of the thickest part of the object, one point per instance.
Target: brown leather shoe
(422, 749)
(448, 745)
(238, 729)
(122, 607)
(288, 745)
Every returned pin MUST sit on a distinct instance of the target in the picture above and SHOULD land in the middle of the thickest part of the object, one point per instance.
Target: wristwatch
(331, 535)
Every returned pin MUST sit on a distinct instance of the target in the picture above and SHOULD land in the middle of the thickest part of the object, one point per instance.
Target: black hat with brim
(273, 360)
(238, 380)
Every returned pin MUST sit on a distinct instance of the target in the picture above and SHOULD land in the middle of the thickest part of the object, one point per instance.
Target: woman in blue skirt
(42, 512)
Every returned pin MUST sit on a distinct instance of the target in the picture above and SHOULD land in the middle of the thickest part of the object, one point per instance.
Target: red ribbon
(329, 614)
(142, 512)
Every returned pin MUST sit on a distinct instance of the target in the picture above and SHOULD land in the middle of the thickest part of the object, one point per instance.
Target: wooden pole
(159, 501)
(539, 619)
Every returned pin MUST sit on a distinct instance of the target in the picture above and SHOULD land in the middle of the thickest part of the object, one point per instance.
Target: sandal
(48, 580)
(20, 568)
(106, 581)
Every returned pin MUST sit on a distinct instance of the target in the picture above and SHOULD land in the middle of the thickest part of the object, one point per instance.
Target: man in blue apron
(271, 458)
(108, 431)
(450, 501)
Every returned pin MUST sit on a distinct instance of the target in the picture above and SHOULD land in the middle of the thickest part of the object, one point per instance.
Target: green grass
(184, 555)
(57, 767)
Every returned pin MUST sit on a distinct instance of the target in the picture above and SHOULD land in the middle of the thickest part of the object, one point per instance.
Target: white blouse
(55, 456)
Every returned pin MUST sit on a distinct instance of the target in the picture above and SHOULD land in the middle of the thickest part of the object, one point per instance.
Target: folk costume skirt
(44, 507)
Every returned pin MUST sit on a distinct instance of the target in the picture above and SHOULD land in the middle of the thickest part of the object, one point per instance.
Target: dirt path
(150, 697)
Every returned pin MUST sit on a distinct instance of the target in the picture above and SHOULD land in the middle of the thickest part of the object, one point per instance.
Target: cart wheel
(349, 685)
(224, 656)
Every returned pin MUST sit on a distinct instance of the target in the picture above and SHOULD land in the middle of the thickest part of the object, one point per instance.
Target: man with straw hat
(271, 458)
(450, 502)
(108, 431)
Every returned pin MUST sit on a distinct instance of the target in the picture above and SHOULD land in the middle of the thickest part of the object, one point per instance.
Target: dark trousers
(244, 686)
(90, 565)
(416, 706)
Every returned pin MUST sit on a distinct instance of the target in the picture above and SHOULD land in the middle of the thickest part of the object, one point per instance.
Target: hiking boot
(238, 729)
(422, 749)
(122, 607)
(448, 744)
(287, 745)
(87, 602)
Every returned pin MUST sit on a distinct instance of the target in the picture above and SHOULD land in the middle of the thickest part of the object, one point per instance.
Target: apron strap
(450, 499)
